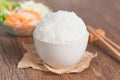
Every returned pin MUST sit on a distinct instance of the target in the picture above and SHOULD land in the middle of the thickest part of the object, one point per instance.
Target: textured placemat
(31, 59)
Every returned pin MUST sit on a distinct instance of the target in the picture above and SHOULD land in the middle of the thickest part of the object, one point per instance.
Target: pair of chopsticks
(110, 44)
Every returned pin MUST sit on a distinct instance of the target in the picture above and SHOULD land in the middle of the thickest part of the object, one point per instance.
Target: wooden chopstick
(111, 45)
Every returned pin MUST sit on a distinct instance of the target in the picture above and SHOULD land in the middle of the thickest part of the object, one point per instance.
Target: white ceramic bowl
(61, 55)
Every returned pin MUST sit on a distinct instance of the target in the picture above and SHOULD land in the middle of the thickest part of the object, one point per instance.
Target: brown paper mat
(31, 59)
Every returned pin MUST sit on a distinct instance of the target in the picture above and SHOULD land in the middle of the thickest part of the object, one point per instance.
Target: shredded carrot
(26, 22)
(21, 18)
(10, 22)
(33, 12)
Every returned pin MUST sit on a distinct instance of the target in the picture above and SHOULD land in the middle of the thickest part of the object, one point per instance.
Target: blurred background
(100, 13)
(104, 14)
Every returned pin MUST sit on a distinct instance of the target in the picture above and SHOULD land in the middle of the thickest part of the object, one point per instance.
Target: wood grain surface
(103, 14)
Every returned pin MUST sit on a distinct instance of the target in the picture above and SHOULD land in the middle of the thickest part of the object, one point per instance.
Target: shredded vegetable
(38, 7)
(23, 18)
(20, 18)
(5, 8)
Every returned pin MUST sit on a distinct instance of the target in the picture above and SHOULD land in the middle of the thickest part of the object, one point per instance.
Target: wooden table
(104, 14)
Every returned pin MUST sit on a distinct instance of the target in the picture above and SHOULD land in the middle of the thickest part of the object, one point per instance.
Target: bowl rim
(63, 43)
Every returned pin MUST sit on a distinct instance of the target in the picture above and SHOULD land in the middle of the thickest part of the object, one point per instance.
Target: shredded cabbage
(38, 7)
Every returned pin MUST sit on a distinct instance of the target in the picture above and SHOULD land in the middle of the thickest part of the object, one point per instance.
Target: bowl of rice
(61, 39)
